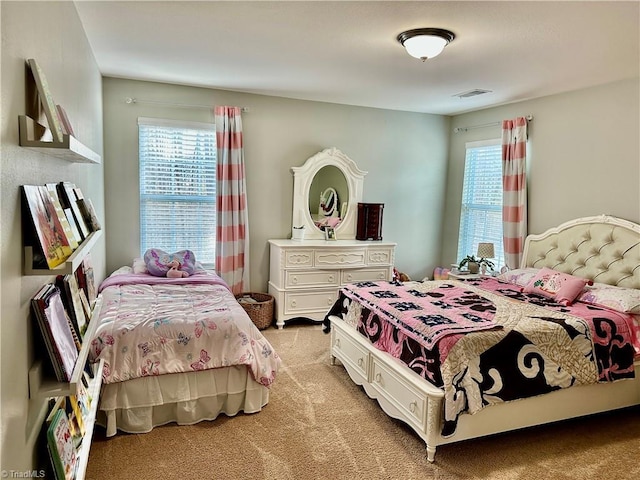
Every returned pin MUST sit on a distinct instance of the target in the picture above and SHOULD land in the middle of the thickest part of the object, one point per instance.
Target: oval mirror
(328, 192)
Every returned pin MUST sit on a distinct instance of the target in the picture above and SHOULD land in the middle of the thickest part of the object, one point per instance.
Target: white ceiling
(346, 51)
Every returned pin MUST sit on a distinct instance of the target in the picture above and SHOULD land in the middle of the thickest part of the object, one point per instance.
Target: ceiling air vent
(472, 93)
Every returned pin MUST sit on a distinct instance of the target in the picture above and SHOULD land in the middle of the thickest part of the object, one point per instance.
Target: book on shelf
(72, 223)
(46, 99)
(42, 229)
(56, 331)
(74, 240)
(60, 443)
(89, 214)
(87, 210)
(64, 120)
(70, 292)
(89, 281)
(68, 200)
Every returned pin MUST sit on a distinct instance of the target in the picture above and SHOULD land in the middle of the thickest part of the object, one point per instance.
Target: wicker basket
(260, 310)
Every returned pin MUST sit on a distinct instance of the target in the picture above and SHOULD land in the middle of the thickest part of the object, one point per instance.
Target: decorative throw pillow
(519, 276)
(625, 300)
(562, 287)
(158, 261)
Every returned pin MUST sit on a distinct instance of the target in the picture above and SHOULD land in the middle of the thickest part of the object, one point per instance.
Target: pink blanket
(154, 325)
(426, 316)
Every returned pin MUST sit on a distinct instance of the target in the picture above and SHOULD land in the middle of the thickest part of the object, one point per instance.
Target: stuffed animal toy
(174, 270)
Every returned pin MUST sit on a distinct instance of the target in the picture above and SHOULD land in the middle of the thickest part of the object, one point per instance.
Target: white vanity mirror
(326, 192)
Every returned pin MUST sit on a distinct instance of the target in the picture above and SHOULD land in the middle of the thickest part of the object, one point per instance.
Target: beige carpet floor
(319, 425)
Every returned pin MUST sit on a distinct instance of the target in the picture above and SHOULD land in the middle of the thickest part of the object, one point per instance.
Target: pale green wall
(404, 153)
(584, 160)
(51, 33)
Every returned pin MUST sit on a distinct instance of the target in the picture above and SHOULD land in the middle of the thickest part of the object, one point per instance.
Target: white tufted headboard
(604, 249)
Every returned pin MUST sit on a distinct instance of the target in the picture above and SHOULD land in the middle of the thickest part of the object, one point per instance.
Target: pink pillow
(561, 287)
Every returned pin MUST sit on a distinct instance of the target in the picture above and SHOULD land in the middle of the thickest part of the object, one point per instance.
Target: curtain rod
(493, 124)
(130, 100)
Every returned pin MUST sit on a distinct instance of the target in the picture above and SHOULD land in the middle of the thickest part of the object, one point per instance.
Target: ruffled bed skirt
(139, 405)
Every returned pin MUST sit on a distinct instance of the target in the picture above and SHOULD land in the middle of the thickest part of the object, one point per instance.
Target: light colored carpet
(319, 425)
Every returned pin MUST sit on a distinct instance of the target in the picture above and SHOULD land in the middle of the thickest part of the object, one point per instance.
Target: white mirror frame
(302, 178)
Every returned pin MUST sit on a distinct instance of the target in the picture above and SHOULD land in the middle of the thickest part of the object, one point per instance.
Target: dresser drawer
(380, 256)
(364, 274)
(312, 278)
(350, 353)
(340, 258)
(408, 399)
(301, 302)
(298, 258)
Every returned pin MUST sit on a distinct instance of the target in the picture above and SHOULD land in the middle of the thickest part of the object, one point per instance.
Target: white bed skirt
(139, 405)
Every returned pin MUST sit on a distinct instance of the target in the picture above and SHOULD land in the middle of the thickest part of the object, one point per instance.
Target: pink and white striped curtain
(232, 232)
(514, 189)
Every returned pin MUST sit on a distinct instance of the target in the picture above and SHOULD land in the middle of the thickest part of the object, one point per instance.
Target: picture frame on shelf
(330, 233)
(46, 99)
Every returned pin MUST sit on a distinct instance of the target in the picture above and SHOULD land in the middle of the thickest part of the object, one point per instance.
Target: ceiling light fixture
(425, 43)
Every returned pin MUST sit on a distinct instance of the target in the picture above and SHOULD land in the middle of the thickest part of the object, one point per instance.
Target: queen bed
(556, 339)
(177, 350)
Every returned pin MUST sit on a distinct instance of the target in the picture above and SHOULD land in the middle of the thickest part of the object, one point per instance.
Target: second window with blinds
(481, 212)
(178, 187)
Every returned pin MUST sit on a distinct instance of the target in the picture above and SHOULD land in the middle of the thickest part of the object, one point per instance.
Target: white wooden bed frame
(603, 248)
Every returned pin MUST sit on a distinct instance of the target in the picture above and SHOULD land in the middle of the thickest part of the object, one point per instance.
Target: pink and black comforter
(485, 342)
(155, 325)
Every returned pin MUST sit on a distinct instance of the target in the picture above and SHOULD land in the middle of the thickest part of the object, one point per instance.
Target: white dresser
(305, 277)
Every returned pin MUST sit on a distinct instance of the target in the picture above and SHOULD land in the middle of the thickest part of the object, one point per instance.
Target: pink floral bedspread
(154, 325)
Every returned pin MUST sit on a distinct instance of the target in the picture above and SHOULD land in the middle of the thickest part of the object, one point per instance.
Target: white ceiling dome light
(424, 43)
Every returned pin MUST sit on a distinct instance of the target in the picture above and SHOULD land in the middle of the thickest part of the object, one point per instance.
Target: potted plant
(474, 264)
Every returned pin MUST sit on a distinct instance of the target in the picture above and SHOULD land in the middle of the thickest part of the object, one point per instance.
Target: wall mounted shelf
(41, 387)
(70, 265)
(69, 149)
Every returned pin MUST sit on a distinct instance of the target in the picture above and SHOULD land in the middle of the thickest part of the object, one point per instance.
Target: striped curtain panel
(232, 233)
(514, 189)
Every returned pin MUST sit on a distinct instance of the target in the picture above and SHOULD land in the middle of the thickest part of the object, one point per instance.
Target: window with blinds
(481, 213)
(178, 187)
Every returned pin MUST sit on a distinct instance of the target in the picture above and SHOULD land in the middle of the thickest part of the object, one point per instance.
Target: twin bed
(177, 350)
(457, 360)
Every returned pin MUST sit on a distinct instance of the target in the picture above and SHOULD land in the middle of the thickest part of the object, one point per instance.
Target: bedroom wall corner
(51, 33)
(583, 156)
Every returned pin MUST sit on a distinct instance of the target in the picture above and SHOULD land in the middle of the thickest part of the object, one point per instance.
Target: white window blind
(481, 213)
(178, 187)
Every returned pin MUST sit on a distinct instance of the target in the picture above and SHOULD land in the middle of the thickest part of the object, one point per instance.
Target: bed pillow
(625, 300)
(122, 271)
(520, 276)
(562, 287)
(139, 266)
(157, 261)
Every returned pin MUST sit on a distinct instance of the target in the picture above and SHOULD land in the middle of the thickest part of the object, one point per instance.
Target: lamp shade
(425, 43)
(485, 250)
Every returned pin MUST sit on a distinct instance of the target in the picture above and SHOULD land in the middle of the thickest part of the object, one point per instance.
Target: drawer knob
(378, 377)
(360, 361)
(294, 280)
(331, 277)
(381, 276)
(338, 342)
(330, 301)
(293, 303)
(413, 406)
(349, 277)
